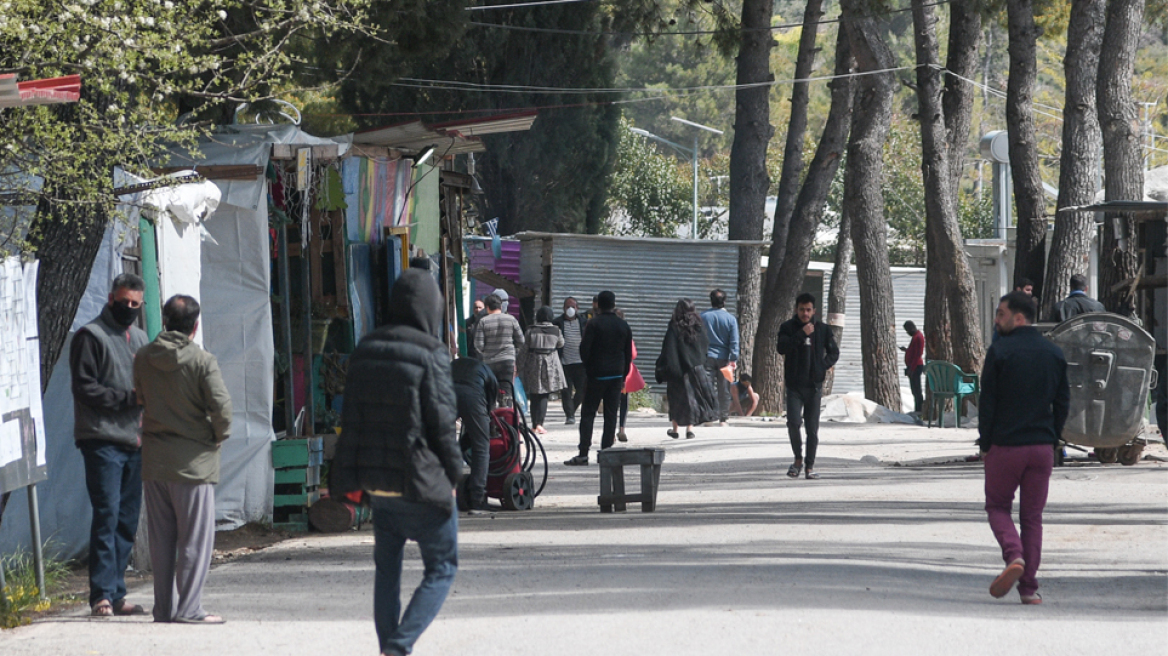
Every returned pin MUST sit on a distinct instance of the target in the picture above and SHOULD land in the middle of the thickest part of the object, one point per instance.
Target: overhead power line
(772, 28)
(455, 85)
(520, 5)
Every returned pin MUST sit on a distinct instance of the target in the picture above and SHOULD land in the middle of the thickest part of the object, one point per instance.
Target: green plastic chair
(947, 381)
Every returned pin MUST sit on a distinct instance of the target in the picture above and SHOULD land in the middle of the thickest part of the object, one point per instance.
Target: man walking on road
(499, 341)
(106, 418)
(722, 331)
(808, 348)
(571, 324)
(914, 363)
(607, 351)
(477, 392)
(186, 418)
(397, 443)
(1021, 413)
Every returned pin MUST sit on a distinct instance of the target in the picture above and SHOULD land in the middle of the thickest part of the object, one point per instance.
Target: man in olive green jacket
(186, 417)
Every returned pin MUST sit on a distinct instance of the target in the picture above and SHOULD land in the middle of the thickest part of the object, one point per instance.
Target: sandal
(126, 608)
(102, 608)
(1006, 580)
(1032, 600)
(793, 470)
(672, 433)
(689, 435)
(810, 475)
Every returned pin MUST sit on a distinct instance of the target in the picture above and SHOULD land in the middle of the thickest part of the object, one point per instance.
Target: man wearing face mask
(106, 429)
(571, 325)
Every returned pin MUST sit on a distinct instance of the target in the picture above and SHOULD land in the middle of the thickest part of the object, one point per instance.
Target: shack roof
(449, 138)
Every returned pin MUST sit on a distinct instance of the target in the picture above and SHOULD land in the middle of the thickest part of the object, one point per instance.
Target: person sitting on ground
(743, 398)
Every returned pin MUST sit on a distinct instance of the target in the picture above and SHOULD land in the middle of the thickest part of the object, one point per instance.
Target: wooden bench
(612, 478)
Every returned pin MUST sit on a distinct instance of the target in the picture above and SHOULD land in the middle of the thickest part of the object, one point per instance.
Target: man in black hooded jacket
(398, 444)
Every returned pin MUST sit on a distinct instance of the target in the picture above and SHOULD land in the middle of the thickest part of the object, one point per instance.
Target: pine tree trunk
(941, 199)
(792, 169)
(1123, 166)
(837, 291)
(1071, 243)
(864, 202)
(66, 243)
(1030, 246)
(779, 301)
(749, 181)
(957, 103)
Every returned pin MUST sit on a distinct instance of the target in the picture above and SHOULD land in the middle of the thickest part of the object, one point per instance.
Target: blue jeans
(113, 478)
(436, 532)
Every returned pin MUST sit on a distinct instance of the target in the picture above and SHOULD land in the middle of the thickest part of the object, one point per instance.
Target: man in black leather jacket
(398, 444)
(808, 348)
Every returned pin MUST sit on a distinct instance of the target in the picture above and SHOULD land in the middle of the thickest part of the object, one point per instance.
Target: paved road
(738, 559)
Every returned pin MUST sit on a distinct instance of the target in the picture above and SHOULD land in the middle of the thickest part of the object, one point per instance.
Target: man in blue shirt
(722, 331)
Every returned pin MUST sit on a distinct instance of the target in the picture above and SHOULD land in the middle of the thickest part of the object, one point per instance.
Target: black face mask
(123, 314)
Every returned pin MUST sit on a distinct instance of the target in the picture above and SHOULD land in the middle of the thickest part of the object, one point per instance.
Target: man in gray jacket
(187, 417)
(105, 427)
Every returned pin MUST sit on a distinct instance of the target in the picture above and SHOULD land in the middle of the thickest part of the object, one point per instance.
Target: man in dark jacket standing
(477, 391)
(1021, 413)
(106, 418)
(607, 351)
(571, 324)
(398, 444)
(808, 348)
(1077, 302)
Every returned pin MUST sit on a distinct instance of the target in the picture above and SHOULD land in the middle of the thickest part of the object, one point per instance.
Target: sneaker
(474, 512)
(569, 421)
(576, 461)
(621, 436)
(1006, 580)
(1032, 600)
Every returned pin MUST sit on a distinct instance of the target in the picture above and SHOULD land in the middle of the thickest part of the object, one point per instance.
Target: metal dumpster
(1109, 368)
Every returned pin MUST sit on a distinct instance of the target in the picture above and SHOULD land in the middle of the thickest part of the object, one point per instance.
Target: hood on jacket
(169, 351)
(416, 301)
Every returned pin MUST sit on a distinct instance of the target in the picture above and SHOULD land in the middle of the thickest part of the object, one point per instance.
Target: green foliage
(142, 63)
(640, 399)
(21, 596)
(650, 194)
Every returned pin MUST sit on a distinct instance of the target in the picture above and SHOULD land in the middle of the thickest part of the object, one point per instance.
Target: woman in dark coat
(681, 367)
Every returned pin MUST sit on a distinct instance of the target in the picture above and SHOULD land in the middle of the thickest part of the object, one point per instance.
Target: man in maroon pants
(1023, 406)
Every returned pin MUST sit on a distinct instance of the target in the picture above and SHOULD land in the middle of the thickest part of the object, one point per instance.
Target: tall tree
(1030, 245)
(784, 286)
(1122, 164)
(864, 202)
(791, 172)
(837, 291)
(947, 252)
(1078, 165)
(957, 103)
(749, 180)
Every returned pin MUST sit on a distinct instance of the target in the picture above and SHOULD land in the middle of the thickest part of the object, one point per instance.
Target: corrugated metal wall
(648, 277)
(908, 288)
